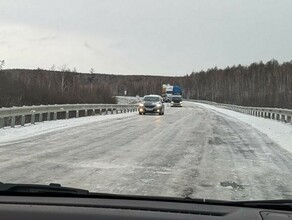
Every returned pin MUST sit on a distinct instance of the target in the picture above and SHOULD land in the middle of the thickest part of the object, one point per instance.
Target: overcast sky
(157, 37)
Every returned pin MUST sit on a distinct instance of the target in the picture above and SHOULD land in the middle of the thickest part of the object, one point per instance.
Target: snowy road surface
(192, 151)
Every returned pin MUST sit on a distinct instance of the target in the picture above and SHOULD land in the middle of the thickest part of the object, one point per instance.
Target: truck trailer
(169, 90)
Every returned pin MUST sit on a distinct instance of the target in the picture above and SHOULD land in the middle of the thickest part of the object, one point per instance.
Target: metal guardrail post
(40, 117)
(93, 112)
(85, 112)
(117, 111)
(32, 121)
(55, 116)
(22, 120)
(77, 114)
(283, 118)
(112, 111)
(67, 115)
(13, 121)
(100, 111)
(48, 116)
(1, 122)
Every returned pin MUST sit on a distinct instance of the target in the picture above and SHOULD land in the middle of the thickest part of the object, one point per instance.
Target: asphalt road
(190, 151)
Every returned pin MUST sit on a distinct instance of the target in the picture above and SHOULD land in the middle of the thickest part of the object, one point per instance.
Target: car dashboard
(35, 207)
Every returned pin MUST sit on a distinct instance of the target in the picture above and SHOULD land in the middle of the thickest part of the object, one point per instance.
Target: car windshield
(90, 96)
(176, 98)
(151, 99)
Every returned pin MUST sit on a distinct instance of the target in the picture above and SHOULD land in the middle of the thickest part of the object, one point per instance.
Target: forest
(259, 84)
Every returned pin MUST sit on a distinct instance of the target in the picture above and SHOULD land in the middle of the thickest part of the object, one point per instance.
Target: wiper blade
(53, 188)
(280, 204)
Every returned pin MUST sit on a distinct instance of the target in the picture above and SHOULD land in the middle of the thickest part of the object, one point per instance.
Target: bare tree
(62, 79)
(2, 64)
(90, 78)
(53, 67)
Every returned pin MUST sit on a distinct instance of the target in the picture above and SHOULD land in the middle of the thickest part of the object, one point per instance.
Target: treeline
(35, 87)
(259, 84)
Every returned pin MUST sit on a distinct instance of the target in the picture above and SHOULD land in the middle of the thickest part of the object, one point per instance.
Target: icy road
(193, 151)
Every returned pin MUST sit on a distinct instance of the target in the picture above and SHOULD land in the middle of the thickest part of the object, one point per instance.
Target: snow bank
(8, 134)
(277, 131)
(124, 100)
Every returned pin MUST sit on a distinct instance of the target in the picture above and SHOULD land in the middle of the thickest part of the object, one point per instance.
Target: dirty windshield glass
(74, 74)
(151, 99)
(176, 99)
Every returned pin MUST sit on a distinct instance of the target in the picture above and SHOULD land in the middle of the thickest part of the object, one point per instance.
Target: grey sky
(161, 37)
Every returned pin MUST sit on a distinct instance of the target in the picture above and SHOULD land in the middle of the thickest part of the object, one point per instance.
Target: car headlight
(141, 104)
(158, 105)
(180, 102)
(171, 102)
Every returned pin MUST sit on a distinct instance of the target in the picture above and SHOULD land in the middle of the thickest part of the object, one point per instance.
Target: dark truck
(176, 101)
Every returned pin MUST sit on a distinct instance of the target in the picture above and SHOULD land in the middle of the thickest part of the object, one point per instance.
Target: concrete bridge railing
(278, 114)
(31, 114)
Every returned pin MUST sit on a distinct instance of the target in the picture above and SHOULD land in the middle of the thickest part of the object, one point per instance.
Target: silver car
(151, 104)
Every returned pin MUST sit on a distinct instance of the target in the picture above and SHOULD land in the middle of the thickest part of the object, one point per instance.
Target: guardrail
(284, 115)
(32, 114)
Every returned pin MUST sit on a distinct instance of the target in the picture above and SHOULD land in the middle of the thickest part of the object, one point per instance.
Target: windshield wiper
(55, 189)
(52, 188)
(280, 204)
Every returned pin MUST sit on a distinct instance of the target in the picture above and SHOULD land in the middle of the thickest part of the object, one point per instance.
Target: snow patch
(277, 131)
(124, 100)
(8, 134)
